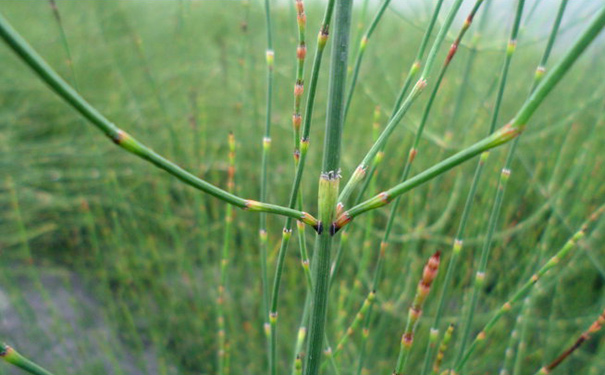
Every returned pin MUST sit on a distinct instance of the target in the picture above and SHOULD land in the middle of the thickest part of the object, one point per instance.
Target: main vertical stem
(328, 184)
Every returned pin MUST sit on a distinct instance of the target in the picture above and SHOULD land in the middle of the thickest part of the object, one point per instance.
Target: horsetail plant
(328, 185)
(266, 144)
(429, 274)
(480, 274)
(445, 342)
(413, 151)
(336, 207)
(502, 135)
(220, 300)
(555, 260)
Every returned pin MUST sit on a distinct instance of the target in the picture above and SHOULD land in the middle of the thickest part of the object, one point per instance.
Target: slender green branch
(499, 137)
(361, 51)
(126, 141)
(361, 171)
(528, 285)
(263, 238)
(413, 151)
(300, 154)
(480, 275)
(429, 274)
(11, 356)
(447, 337)
(220, 300)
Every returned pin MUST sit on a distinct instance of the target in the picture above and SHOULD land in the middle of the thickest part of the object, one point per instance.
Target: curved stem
(126, 141)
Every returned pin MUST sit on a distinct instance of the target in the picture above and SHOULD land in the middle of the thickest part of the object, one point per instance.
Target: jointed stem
(124, 140)
(220, 300)
(521, 292)
(399, 112)
(480, 275)
(328, 184)
(300, 153)
(266, 144)
(501, 136)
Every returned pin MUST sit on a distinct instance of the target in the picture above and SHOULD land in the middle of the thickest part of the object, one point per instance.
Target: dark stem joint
(319, 227)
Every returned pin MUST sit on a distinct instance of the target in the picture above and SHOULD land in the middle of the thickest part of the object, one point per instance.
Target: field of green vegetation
(109, 265)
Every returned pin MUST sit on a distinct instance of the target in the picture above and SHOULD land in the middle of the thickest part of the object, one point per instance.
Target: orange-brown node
(253, 205)
(340, 222)
(451, 53)
(407, 339)
(384, 197)
(296, 120)
(383, 248)
(298, 89)
(301, 51)
(119, 137)
(415, 313)
(412, 155)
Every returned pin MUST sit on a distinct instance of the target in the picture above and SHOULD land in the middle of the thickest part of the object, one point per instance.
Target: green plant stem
(124, 140)
(480, 275)
(220, 301)
(527, 306)
(361, 171)
(362, 47)
(413, 151)
(301, 52)
(301, 145)
(447, 337)
(328, 184)
(11, 356)
(499, 137)
(266, 144)
(528, 285)
(424, 287)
